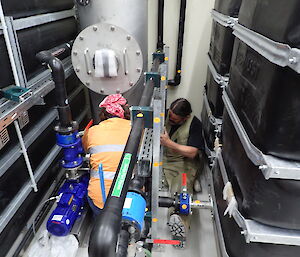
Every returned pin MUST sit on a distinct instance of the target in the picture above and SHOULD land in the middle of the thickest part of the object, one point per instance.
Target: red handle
(184, 179)
(89, 124)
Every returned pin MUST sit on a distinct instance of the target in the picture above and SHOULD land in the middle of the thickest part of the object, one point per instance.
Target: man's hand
(186, 151)
(165, 139)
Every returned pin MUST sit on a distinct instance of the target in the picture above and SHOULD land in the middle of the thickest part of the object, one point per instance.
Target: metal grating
(4, 138)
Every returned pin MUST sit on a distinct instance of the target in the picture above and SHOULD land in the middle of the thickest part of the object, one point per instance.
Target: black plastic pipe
(177, 78)
(104, 236)
(166, 202)
(160, 25)
(123, 243)
(58, 75)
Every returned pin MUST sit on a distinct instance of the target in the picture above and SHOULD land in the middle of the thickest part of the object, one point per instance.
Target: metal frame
(255, 232)
(224, 20)
(145, 153)
(215, 121)
(277, 53)
(32, 21)
(14, 43)
(15, 204)
(221, 80)
(156, 167)
(271, 167)
(15, 153)
(41, 85)
(159, 104)
(216, 217)
(7, 38)
(31, 136)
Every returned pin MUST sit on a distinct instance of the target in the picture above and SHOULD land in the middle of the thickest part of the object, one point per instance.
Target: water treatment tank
(121, 28)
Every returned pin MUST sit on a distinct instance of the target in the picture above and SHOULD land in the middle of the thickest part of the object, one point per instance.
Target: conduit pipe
(177, 78)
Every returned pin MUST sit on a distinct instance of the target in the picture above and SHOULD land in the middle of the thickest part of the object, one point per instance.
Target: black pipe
(123, 243)
(166, 202)
(160, 27)
(177, 78)
(58, 76)
(104, 236)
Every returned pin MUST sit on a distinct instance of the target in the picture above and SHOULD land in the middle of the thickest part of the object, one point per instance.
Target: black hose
(107, 226)
(160, 27)
(177, 77)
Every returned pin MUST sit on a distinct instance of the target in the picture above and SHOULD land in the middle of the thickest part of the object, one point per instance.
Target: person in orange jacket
(106, 142)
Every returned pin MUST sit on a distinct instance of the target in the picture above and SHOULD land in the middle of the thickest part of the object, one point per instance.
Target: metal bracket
(271, 167)
(142, 112)
(145, 154)
(215, 121)
(224, 20)
(36, 20)
(160, 56)
(17, 94)
(277, 53)
(155, 76)
(221, 80)
(255, 232)
(23, 119)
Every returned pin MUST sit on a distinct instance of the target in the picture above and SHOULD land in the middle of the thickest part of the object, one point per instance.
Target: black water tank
(24, 8)
(6, 75)
(209, 133)
(275, 19)
(273, 202)
(47, 36)
(33, 40)
(214, 95)
(228, 7)
(235, 242)
(266, 98)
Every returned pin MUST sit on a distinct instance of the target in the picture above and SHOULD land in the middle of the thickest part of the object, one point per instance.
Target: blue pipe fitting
(134, 210)
(73, 150)
(184, 207)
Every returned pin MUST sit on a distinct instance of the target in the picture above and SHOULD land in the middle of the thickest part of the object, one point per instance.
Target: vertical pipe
(8, 45)
(177, 78)
(160, 25)
(24, 150)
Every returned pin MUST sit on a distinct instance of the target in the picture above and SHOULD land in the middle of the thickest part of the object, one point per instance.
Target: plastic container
(25, 8)
(235, 242)
(221, 46)
(228, 7)
(214, 95)
(266, 99)
(209, 133)
(275, 19)
(45, 37)
(273, 202)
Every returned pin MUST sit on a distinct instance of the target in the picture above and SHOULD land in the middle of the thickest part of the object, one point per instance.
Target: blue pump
(69, 208)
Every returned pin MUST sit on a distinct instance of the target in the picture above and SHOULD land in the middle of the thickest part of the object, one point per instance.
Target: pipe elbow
(104, 236)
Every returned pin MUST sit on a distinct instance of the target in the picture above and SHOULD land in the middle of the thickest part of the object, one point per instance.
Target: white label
(57, 217)
(127, 203)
